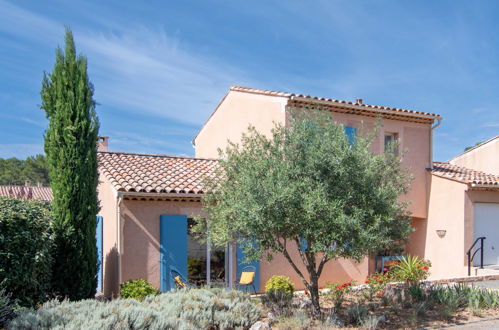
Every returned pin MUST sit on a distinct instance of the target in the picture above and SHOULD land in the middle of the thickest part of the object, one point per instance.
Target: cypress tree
(71, 149)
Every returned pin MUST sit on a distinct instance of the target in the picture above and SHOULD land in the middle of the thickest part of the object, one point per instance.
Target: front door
(173, 249)
(486, 224)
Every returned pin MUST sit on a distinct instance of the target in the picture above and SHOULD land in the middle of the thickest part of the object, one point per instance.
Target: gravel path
(488, 284)
(494, 324)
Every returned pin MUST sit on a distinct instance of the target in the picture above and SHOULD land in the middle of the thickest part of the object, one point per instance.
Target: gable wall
(235, 113)
(484, 158)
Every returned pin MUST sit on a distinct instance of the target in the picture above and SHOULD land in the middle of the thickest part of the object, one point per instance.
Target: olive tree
(310, 189)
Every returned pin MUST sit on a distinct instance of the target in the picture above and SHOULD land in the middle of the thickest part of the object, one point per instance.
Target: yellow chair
(247, 277)
(180, 283)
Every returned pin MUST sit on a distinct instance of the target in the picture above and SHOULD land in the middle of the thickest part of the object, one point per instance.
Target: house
(413, 130)
(148, 202)
(482, 157)
(38, 193)
(464, 205)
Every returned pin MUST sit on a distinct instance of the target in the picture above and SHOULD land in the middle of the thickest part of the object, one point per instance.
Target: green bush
(279, 284)
(191, 309)
(137, 289)
(278, 294)
(25, 250)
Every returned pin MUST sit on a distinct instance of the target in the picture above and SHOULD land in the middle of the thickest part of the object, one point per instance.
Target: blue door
(173, 249)
(241, 265)
(98, 239)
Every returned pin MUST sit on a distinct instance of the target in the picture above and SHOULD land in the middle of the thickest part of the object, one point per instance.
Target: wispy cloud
(491, 124)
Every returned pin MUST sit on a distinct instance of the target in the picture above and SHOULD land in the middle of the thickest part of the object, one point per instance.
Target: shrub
(25, 246)
(278, 294)
(281, 284)
(299, 320)
(7, 308)
(137, 289)
(337, 293)
(411, 270)
(356, 314)
(376, 285)
(191, 309)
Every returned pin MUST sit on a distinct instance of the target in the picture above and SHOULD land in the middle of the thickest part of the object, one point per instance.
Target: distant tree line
(15, 171)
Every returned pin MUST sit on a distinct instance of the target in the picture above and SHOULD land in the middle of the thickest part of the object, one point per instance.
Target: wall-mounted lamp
(441, 232)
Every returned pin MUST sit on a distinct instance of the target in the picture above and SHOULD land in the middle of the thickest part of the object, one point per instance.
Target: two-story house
(148, 201)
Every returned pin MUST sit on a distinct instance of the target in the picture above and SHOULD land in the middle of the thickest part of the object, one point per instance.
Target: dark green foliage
(137, 289)
(192, 309)
(25, 245)
(71, 149)
(8, 308)
(15, 171)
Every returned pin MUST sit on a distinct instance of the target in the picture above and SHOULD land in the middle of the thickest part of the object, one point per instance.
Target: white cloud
(491, 124)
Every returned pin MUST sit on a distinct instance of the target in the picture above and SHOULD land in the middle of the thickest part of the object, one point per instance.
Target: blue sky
(160, 67)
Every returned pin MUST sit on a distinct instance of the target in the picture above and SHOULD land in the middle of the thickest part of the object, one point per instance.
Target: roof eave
(365, 108)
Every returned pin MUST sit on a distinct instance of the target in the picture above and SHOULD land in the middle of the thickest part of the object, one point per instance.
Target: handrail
(471, 257)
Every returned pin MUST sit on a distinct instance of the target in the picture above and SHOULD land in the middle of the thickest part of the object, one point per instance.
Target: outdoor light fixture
(441, 232)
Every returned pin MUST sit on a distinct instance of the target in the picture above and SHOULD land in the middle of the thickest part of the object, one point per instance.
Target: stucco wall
(107, 198)
(140, 240)
(232, 118)
(335, 271)
(484, 158)
(446, 212)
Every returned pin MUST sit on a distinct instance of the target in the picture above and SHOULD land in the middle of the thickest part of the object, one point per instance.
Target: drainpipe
(439, 121)
(118, 233)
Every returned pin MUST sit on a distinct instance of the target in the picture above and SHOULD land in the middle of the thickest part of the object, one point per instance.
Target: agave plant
(411, 270)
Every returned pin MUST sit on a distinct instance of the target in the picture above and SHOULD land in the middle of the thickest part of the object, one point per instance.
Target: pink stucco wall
(451, 209)
(232, 118)
(239, 109)
(140, 228)
(107, 198)
(483, 158)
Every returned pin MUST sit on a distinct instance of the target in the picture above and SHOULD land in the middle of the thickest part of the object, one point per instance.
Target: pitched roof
(465, 175)
(130, 172)
(333, 101)
(29, 193)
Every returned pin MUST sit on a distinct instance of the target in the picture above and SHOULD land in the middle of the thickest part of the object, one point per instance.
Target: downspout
(439, 121)
(118, 233)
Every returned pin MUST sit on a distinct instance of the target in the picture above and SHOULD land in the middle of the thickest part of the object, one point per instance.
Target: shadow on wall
(417, 240)
(111, 285)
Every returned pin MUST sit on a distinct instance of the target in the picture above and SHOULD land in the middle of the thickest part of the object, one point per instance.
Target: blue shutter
(351, 133)
(172, 249)
(240, 266)
(303, 244)
(98, 240)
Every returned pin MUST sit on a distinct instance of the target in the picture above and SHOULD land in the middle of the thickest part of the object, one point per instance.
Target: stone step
(487, 270)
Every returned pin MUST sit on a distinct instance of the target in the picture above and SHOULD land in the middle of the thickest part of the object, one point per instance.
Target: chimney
(39, 184)
(102, 143)
(358, 101)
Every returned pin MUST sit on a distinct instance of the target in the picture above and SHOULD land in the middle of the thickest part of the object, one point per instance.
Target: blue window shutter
(303, 244)
(240, 266)
(172, 249)
(351, 133)
(98, 240)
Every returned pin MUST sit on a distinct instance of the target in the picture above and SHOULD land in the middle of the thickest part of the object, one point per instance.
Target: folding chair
(247, 277)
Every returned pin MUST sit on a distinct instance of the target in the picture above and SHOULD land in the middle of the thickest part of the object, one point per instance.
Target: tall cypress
(71, 149)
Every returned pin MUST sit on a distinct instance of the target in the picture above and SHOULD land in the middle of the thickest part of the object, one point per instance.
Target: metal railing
(472, 256)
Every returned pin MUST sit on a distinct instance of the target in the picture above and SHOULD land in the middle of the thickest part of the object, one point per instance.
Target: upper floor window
(391, 140)
(351, 133)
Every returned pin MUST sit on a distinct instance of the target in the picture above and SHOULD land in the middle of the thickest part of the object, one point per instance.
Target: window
(351, 133)
(391, 140)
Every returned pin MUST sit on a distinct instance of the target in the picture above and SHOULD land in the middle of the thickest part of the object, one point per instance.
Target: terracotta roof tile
(465, 175)
(339, 102)
(30, 193)
(131, 172)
